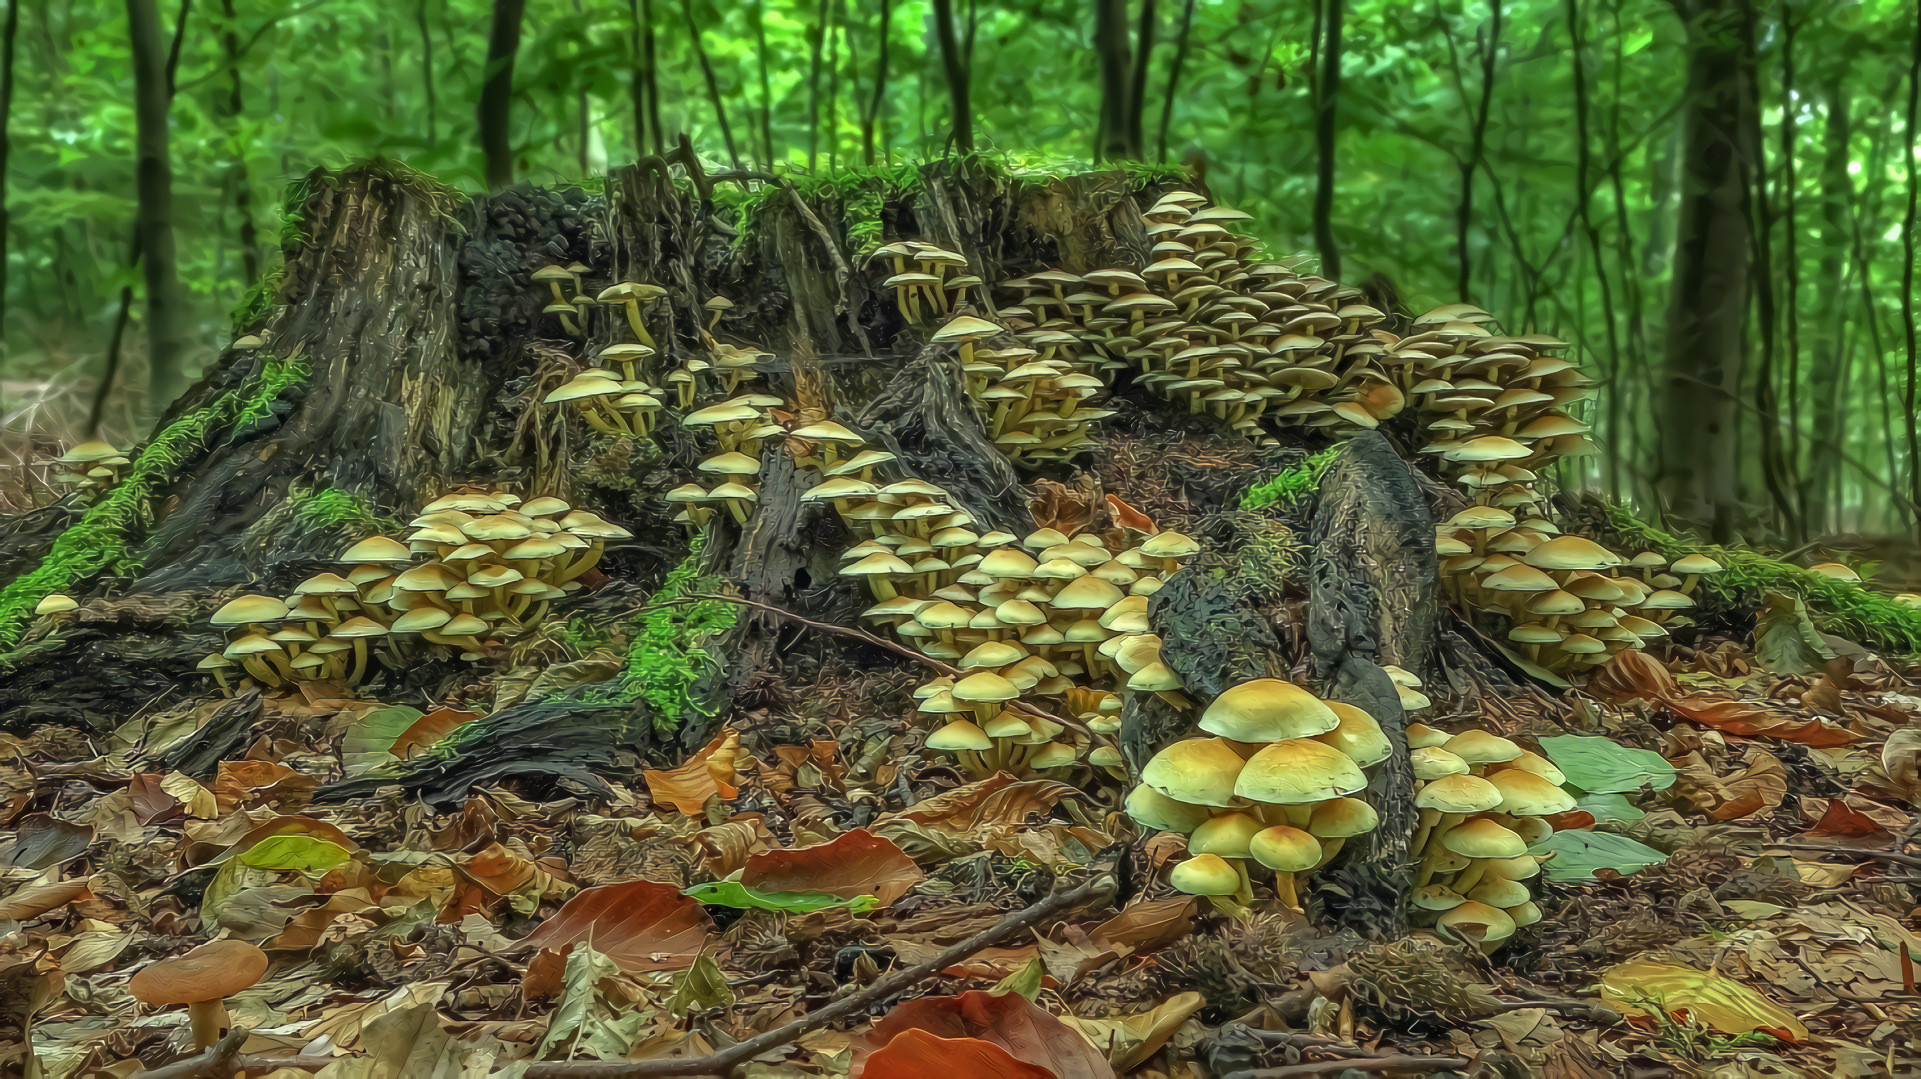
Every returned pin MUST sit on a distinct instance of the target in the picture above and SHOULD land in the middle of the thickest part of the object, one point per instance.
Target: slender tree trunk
(1174, 77)
(1326, 108)
(246, 234)
(1910, 399)
(1827, 370)
(426, 74)
(1110, 47)
(1791, 276)
(8, 32)
(497, 93)
(837, 37)
(870, 116)
(1137, 90)
(179, 42)
(960, 97)
(1777, 474)
(713, 81)
(153, 219)
(1584, 198)
(1476, 153)
(818, 50)
(1698, 404)
(766, 112)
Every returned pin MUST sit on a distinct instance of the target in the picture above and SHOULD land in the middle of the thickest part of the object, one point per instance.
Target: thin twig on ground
(224, 1060)
(1860, 852)
(724, 1062)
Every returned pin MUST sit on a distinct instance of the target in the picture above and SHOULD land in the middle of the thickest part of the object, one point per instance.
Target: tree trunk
(1110, 46)
(153, 218)
(1698, 405)
(1326, 111)
(954, 66)
(1828, 373)
(495, 110)
(8, 31)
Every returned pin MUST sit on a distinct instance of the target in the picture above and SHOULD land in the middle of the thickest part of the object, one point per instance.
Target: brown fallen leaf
(853, 864)
(1634, 674)
(37, 897)
(1129, 1040)
(641, 925)
(1029, 1033)
(922, 1054)
(708, 774)
(429, 729)
(1148, 924)
(1845, 821)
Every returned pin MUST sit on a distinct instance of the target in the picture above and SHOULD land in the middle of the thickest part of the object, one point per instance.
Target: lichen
(98, 541)
(666, 654)
(1843, 608)
(1291, 485)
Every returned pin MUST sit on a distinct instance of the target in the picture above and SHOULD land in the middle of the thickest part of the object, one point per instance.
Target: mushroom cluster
(477, 564)
(742, 427)
(1483, 802)
(571, 312)
(613, 402)
(1571, 603)
(92, 468)
(1033, 401)
(928, 281)
(1269, 792)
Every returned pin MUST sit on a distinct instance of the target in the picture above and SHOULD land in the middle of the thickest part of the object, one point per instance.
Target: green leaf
(1025, 981)
(1578, 853)
(369, 743)
(1785, 640)
(302, 854)
(1609, 806)
(700, 987)
(727, 893)
(1603, 766)
(584, 1021)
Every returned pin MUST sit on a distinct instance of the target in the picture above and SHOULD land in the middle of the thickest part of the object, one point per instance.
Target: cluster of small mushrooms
(477, 565)
(92, 467)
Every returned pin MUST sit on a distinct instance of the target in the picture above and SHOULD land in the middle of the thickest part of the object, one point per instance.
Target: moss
(1842, 608)
(330, 506)
(98, 541)
(665, 657)
(1289, 487)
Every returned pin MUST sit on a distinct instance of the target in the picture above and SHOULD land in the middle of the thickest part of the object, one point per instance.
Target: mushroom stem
(209, 1018)
(1471, 876)
(1428, 817)
(359, 670)
(634, 323)
(1284, 888)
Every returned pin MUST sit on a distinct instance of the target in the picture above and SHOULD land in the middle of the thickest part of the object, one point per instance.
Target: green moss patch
(667, 654)
(1289, 487)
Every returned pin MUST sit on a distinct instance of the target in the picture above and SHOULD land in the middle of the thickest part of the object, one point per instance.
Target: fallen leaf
(585, 1019)
(1148, 924)
(708, 774)
(1577, 854)
(1785, 640)
(1028, 1033)
(1713, 1000)
(852, 864)
(35, 898)
(1842, 820)
(1604, 766)
(430, 728)
(1129, 1040)
(922, 1054)
(1761, 786)
(641, 925)
(701, 986)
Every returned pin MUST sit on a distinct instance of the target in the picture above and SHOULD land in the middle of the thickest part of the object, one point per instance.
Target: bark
(1110, 46)
(712, 79)
(1174, 76)
(246, 233)
(8, 32)
(1828, 371)
(495, 109)
(870, 114)
(1697, 407)
(954, 67)
(1912, 392)
(153, 217)
(1326, 109)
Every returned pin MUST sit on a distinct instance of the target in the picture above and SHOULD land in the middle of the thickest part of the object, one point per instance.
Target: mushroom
(1287, 851)
(202, 979)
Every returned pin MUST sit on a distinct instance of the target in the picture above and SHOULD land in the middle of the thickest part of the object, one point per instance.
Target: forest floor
(1780, 928)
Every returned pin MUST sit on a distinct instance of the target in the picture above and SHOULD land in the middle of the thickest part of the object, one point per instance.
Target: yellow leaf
(1713, 1000)
(199, 800)
(1128, 1040)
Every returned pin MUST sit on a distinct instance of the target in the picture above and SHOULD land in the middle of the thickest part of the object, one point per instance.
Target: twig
(725, 1061)
(878, 642)
(1398, 1062)
(223, 1060)
(1880, 855)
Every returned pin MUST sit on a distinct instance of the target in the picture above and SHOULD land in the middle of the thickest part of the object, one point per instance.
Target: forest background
(1714, 200)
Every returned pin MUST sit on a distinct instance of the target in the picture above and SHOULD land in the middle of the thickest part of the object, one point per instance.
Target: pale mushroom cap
(1205, 874)
(1198, 771)
(960, 736)
(213, 971)
(1494, 922)
(1268, 710)
(1525, 794)
(1359, 735)
(54, 603)
(1500, 892)
(1834, 571)
(1298, 770)
(965, 328)
(377, 550)
(1340, 818)
(1571, 552)
(985, 686)
(1433, 762)
(1226, 834)
(1285, 850)
(1480, 747)
(249, 608)
(1482, 838)
(1696, 563)
(1459, 793)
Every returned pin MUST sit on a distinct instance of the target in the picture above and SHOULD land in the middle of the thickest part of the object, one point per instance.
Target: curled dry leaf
(641, 925)
(1129, 1040)
(1713, 1000)
(1027, 1032)
(922, 1054)
(1148, 924)
(37, 897)
(246, 783)
(429, 729)
(708, 774)
(1636, 675)
(853, 864)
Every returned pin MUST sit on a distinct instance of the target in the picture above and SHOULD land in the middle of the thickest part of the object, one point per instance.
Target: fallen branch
(725, 1061)
(1397, 1062)
(224, 1060)
(1878, 855)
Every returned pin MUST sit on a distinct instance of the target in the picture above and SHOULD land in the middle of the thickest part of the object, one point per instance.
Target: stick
(1881, 855)
(223, 1059)
(1397, 1062)
(725, 1061)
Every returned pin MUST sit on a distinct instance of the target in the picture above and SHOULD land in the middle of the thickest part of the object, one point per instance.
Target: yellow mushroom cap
(1358, 736)
(1298, 770)
(1199, 771)
(1524, 794)
(1340, 818)
(1481, 747)
(1268, 710)
(54, 603)
(1492, 923)
(1205, 874)
(1152, 809)
(1285, 850)
(1432, 762)
(1459, 793)
(1483, 838)
(1226, 834)
(960, 736)
(985, 686)
(249, 608)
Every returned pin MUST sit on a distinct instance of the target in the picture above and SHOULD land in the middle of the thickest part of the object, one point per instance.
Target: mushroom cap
(1437, 897)
(960, 736)
(1298, 770)
(1198, 771)
(1359, 735)
(1152, 809)
(88, 452)
(1225, 834)
(249, 608)
(1268, 710)
(1432, 762)
(1571, 552)
(1480, 747)
(1530, 761)
(1494, 923)
(213, 971)
(1459, 793)
(965, 328)
(1483, 838)
(1525, 794)
(1340, 818)
(1205, 874)
(985, 686)
(1284, 849)
(1156, 677)
(1169, 545)
(1488, 448)
(54, 603)
(1696, 563)
(1088, 593)
(1500, 892)
(1834, 571)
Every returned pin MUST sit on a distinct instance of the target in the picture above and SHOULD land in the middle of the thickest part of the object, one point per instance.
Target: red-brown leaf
(852, 864)
(708, 774)
(641, 925)
(1843, 820)
(1030, 1034)
(921, 1054)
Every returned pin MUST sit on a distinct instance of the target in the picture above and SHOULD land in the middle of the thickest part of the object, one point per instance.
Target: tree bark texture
(1697, 471)
(495, 109)
(153, 216)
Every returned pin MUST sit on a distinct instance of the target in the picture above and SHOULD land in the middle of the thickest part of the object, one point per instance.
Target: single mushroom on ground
(202, 979)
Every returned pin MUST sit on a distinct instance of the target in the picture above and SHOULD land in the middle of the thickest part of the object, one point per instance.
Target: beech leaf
(1578, 854)
(640, 926)
(850, 865)
(1713, 1000)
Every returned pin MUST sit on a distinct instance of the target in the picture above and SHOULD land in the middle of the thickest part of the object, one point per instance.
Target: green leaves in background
(1603, 766)
(1577, 853)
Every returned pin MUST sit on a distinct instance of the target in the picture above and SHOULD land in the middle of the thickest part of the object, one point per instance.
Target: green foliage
(1289, 487)
(1604, 766)
(328, 507)
(666, 656)
(1838, 606)
(99, 540)
(1577, 853)
(728, 893)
